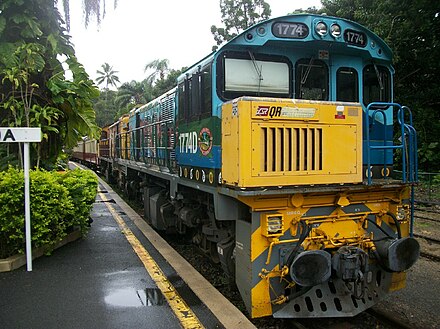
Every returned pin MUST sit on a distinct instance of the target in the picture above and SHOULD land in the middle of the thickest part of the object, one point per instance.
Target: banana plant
(35, 56)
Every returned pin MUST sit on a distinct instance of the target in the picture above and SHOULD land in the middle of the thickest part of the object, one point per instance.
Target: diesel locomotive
(278, 155)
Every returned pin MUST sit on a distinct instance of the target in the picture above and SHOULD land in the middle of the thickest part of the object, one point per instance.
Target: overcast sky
(140, 31)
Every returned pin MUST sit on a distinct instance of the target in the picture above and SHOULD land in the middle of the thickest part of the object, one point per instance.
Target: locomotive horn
(398, 254)
(310, 268)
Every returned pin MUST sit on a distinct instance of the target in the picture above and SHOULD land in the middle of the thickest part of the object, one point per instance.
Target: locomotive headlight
(401, 213)
(321, 29)
(272, 225)
(335, 30)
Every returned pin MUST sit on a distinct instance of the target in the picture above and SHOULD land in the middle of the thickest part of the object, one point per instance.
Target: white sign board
(16, 135)
(25, 135)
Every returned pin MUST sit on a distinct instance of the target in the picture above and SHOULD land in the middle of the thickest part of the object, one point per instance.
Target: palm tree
(160, 67)
(107, 75)
(134, 93)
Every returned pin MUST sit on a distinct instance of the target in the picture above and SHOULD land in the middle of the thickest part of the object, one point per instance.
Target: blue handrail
(409, 161)
(412, 141)
(408, 137)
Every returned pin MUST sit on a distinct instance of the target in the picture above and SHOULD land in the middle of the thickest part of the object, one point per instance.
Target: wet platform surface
(100, 282)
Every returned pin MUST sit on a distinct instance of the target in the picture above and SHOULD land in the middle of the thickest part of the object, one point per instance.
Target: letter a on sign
(15, 135)
(8, 135)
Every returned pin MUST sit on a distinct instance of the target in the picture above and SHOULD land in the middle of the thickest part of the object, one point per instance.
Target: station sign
(24, 135)
(17, 135)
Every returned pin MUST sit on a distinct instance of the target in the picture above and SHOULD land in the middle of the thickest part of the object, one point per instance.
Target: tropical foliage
(107, 76)
(35, 51)
(92, 9)
(238, 15)
(105, 108)
(134, 93)
(160, 67)
(113, 104)
(60, 202)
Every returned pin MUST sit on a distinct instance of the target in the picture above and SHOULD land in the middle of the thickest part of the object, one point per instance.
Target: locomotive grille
(290, 149)
(167, 108)
(270, 143)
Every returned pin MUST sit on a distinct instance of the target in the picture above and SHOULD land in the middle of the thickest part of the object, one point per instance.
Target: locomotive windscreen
(256, 76)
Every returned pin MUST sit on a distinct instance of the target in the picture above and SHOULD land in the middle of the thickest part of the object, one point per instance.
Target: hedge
(60, 202)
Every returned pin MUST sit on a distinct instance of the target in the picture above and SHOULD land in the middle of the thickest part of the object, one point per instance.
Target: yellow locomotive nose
(310, 268)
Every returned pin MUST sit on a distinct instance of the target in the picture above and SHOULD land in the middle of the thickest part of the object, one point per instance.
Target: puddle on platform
(133, 298)
(109, 228)
(106, 201)
(151, 297)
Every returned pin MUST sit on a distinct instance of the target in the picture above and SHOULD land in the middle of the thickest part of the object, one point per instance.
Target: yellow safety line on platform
(185, 315)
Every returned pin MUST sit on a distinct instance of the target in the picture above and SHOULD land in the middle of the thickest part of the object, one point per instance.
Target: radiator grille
(290, 149)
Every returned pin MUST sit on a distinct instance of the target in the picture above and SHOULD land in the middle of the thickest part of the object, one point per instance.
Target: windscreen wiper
(257, 69)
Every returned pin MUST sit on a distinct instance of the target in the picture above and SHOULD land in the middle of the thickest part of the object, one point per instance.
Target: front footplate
(335, 298)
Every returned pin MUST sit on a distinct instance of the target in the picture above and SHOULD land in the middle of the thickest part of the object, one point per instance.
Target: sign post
(24, 135)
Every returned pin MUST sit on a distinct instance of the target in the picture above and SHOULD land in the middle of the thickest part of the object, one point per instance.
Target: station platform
(122, 274)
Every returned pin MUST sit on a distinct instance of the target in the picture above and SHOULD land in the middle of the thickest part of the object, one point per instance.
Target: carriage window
(104, 134)
(376, 84)
(311, 79)
(249, 74)
(347, 85)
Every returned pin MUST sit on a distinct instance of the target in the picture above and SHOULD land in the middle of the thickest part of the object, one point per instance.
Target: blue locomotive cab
(309, 57)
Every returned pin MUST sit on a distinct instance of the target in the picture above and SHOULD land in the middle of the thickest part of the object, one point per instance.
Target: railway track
(427, 218)
(427, 213)
(388, 318)
(427, 228)
(427, 238)
(431, 241)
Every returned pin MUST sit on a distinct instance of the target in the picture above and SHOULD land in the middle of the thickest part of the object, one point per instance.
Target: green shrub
(11, 212)
(59, 202)
(51, 206)
(82, 186)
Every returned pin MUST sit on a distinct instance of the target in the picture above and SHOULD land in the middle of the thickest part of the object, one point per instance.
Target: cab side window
(376, 84)
(347, 86)
(311, 79)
